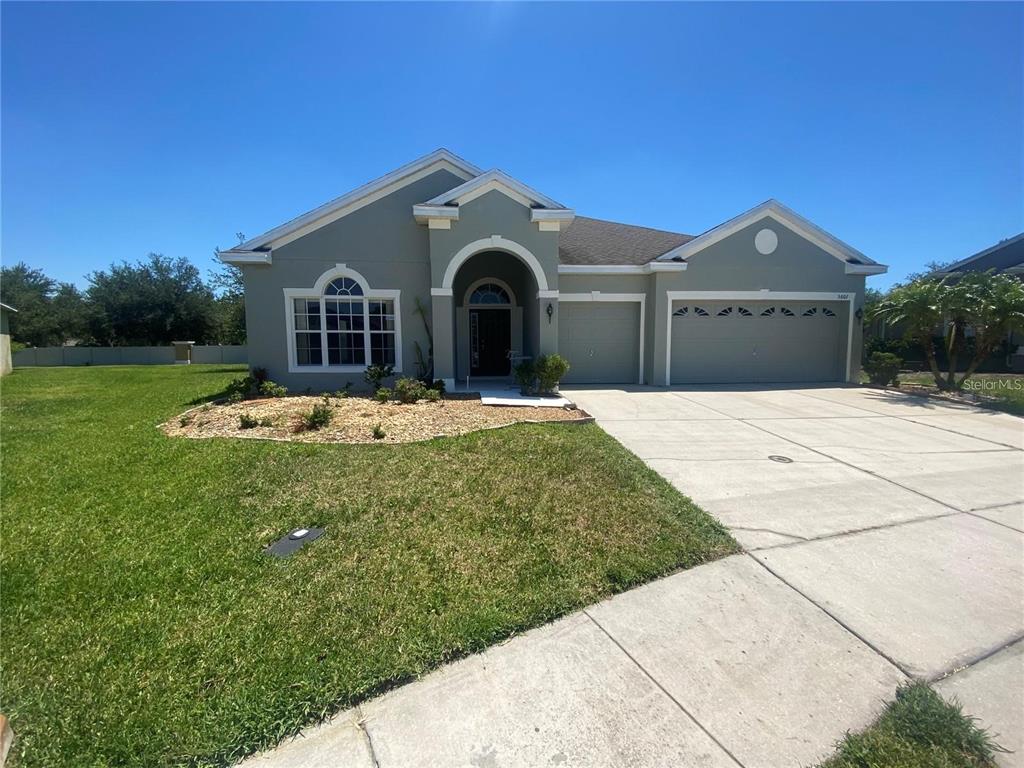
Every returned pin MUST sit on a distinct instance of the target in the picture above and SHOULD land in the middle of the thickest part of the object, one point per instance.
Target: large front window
(344, 327)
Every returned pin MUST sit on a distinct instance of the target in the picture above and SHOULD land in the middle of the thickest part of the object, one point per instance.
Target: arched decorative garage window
(827, 312)
(341, 324)
(786, 312)
(811, 312)
(768, 312)
(681, 312)
(744, 312)
(685, 311)
(725, 312)
(700, 312)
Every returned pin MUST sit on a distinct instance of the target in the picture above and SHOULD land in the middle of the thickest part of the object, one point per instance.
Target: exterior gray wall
(381, 241)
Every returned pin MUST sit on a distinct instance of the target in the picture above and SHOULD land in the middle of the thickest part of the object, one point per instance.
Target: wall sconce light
(551, 311)
(859, 314)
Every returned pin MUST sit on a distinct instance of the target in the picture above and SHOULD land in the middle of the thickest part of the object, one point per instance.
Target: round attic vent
(766, 241)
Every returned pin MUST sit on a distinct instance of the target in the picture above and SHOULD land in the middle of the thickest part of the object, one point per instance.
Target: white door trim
(598, 296)
(763, 295)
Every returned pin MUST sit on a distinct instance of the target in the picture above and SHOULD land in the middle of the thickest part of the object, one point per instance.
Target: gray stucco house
(499, 268)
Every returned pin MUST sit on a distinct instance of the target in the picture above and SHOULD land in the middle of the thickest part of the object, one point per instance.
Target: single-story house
(5, 339)
(1005, 256)
(440, 259)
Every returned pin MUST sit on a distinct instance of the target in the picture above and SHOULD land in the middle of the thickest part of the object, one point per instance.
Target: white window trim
(763, 295)
(484, 281)
(317, 292)
(599, 296)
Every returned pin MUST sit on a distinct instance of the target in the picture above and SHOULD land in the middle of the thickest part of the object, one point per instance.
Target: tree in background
(986, 304)
(156, 301)
(49, 313)
(227, 285)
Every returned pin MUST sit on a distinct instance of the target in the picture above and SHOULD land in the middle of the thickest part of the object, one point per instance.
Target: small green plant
(438, 386)
(186, 419)
(270, 389)
(247, 421)
(267, 421)
(432, 396)
(375, 375)
(342, 393)
(525, 373)
(383, 394)
(318, 418)
(378, 432)
(550, 370)
(883, 368)
(409, 390)
(235, 397)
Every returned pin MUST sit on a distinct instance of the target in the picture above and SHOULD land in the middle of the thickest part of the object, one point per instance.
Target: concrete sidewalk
(890, 545)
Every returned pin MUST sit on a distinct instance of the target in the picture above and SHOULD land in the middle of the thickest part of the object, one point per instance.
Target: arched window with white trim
(342, 324)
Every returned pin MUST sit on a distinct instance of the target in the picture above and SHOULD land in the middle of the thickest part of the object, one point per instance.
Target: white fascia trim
(783, 215)
(440, 159)
(424, 213)
(239, 258)
(8, 307)
(955, 266)
(317, 292)
(552, 214)
(547, 294)
(620, 269)
(762, 295)
(441, 292)
(866, 269)
(640, 298)
(491, 180)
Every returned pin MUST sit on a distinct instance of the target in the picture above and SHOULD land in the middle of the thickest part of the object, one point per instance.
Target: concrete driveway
(901, 517)
(884, 538)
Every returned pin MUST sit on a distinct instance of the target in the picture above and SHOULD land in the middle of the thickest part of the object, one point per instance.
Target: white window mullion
(324, 362)
(367, 354)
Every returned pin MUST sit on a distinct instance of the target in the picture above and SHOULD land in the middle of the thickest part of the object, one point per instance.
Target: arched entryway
(495, 296)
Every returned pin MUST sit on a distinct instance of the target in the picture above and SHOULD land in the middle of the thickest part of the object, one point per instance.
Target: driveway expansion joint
(664, 690)
(975, 660)
(362, 725)
(972, 513)
(851, 532)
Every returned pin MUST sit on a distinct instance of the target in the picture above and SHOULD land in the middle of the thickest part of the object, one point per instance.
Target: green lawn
(917, 730)
(142, 625)
(1002, 391)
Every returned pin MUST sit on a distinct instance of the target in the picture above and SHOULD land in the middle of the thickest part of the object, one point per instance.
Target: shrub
(431, 395)
(186, 419)
(525, 373)
(243, 387)
(235, 397)
(383, 395)
(343, 392)
(409, 390)
(318, 418)
(270, 389)
(882, 368)
(259, 375)
(246, 421)
(438, 386)
(375, 375)
(266, 421)
(379, 433)
(550, 370)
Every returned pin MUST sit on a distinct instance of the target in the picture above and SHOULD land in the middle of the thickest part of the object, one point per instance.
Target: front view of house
(440, 261)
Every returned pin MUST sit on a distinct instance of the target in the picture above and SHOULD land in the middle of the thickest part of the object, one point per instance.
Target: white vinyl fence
(50, 356)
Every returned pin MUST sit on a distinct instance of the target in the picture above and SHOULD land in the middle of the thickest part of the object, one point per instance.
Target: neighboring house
(5, 339)
(501, 269)
(1005, 256)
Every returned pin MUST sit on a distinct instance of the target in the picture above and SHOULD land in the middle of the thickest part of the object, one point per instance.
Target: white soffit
(440, 159)
(775, 210)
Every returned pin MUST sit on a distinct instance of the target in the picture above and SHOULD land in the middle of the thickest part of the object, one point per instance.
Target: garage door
(600, 339)
(757, 341)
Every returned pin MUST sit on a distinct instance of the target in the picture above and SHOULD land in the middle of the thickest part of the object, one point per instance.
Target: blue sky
(130, 128)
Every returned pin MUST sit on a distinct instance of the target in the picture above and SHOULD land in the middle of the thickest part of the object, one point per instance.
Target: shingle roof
(1003, 256)
(596, 241)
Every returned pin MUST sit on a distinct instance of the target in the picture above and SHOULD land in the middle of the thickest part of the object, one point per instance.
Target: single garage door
(600, 339)
(715, 342)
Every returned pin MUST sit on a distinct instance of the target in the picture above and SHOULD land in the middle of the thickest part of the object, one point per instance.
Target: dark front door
(490, 337)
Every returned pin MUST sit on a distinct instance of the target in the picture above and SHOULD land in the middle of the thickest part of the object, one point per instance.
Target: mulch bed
(355, 418)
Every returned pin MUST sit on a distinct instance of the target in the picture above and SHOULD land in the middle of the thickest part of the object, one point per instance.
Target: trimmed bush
(270, 389)
(383, 394)
(438, 386)
(883, 368)
(375, 375)
(409, 390)
(432, 396)
(550, 369)
(525, 373)
(318, 418)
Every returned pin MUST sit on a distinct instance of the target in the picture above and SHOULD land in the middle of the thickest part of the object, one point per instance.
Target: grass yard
(142, 625)
(917, 730)
(1002, 391)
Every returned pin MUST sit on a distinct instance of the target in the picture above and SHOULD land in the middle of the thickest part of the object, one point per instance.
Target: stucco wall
(382, 242)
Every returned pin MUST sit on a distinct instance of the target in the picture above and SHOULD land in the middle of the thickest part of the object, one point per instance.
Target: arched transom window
(489, 293)
(344, 327)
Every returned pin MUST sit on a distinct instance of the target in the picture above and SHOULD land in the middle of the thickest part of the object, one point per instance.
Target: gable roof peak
(495, 178)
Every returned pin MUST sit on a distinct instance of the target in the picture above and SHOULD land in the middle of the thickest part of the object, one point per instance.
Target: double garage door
(601, 341)
(757, 341)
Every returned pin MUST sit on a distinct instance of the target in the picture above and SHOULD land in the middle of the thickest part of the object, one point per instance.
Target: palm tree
(989, 305)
